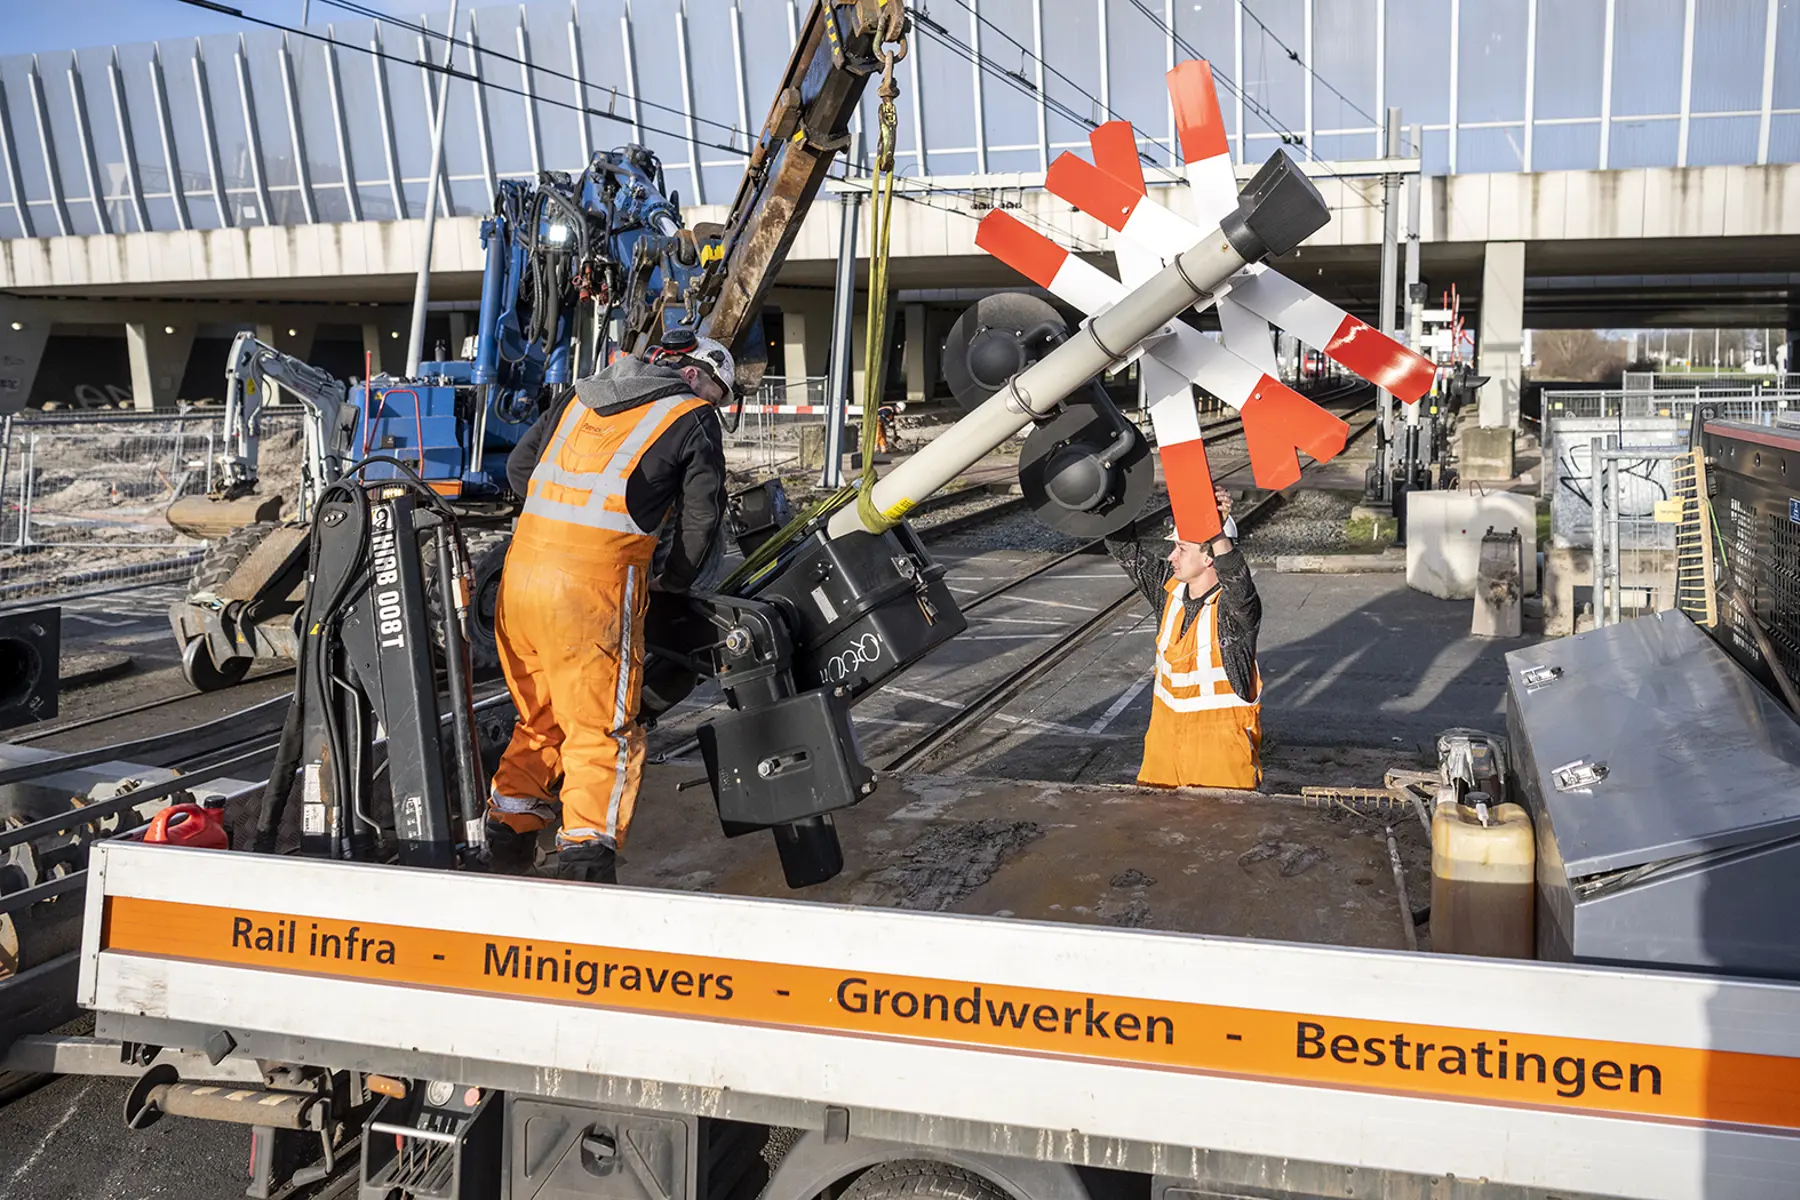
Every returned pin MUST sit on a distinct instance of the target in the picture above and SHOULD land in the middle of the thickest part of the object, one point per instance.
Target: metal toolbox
(1664, 784)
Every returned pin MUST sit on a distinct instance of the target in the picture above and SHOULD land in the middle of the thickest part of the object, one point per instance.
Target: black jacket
(1145, 558)
(681, 475)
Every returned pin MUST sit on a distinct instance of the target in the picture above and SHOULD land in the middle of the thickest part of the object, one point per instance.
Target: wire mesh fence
(101, 483)
(1681, 381)
(1742, 402)
(782, 427)
(106, 480)
(1633, 529)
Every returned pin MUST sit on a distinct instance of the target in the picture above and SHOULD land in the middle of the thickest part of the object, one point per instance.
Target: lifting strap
(875, 343)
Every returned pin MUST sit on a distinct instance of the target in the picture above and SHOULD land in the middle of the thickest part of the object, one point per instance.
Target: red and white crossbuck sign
(1239, 369)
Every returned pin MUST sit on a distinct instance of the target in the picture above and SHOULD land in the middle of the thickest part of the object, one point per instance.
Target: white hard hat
(717, 358)
(1229, 529)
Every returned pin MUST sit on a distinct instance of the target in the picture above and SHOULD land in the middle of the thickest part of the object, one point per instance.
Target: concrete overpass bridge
(1668, 247)
(1579, 169)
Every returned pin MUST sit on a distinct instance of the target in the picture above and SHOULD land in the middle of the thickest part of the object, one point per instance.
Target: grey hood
(629, 383)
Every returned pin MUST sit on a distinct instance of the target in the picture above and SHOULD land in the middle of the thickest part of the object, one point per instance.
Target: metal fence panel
(1623, 407)
(105, 480)
(101, 483)
(1568, 463)
(1681, 381)
(1742, 402)
(1634, 564)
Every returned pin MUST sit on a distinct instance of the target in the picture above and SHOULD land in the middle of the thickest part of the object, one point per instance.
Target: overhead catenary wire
(989, 24)
(1294, 56)
(986, 65)
(969, 55)
(1025, 87)
(1261, 112)
(375, 14)
(493, 85)
(455, 72)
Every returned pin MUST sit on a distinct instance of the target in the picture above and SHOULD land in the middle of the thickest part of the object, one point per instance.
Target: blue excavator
(577, 267)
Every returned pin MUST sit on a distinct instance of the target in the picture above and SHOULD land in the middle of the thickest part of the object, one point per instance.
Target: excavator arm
(839, 48)
(250, 369)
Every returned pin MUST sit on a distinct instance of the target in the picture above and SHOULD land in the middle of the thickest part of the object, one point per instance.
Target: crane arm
(839, 48)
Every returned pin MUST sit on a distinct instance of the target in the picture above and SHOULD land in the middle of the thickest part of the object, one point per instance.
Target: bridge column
(159, 355)
(461, 327)
(384, 338)
(920, 356)
(293, 337)
(859, 349)
(24, 329)
(1501, 357)
(1502, 333)
(805, 339)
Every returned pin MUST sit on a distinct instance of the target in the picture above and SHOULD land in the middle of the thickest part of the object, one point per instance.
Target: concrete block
(1443, 538)
(1568, 587)
(1499, 577)
(1487, 453)
(812, 447)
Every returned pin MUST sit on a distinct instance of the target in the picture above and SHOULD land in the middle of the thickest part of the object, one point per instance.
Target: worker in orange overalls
(636, 446)
(1205, 708)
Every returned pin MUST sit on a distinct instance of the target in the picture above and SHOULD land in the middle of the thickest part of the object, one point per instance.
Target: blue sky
(38, 25)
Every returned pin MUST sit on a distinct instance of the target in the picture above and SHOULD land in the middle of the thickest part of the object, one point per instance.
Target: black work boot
(509, 851)
(585, 862)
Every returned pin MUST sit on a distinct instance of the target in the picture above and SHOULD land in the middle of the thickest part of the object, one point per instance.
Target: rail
(996, 696)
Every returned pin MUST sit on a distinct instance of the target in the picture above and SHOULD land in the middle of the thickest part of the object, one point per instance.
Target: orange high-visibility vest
(1186, 682)
(576, 498)
(1202, 734)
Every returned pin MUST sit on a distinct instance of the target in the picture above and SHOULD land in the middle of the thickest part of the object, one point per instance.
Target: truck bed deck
(1212, 862)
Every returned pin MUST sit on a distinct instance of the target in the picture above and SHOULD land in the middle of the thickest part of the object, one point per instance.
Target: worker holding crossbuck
(1206, 699)
(1205, 727)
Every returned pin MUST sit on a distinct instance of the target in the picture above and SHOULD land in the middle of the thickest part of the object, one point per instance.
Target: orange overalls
(570, 625)
(1202, 734)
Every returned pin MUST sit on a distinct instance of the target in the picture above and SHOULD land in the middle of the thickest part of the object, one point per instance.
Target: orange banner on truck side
(1403, 1057)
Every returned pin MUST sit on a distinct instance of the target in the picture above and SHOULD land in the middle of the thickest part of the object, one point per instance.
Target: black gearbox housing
(862, 606)
(830, 622)
(783, 762)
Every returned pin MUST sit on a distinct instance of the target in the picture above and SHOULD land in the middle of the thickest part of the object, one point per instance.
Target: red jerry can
(188, 825)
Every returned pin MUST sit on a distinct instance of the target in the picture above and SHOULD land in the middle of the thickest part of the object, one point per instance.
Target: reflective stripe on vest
(1187, 681)
(596, 499)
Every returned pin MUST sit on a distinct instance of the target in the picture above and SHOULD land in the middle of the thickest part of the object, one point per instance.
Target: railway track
(1055, 649)
(182, 699)
(675, 738)
(200, 744)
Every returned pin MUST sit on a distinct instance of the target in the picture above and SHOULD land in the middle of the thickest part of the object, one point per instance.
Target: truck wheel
(921, 1179)
(487, 554)
(206, 676)
(224, 556)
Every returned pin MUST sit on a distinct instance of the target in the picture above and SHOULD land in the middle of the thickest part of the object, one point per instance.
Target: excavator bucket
(205, 517)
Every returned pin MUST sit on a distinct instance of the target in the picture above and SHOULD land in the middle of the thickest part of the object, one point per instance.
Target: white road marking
(861, 719)
(1120, 705)
(1051, 603)
(1021, 722)
(919, 696)
(44, 1142)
